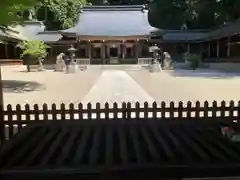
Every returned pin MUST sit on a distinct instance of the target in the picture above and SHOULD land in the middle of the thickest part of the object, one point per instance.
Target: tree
(33, 52)
(10, 10)
(58, 14)
(228, 10)
(170, 14)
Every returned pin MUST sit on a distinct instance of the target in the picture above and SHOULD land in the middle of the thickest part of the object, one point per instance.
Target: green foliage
(203, 14)
(193, 60)
(33, 48)
(11, 10)
(58, 14)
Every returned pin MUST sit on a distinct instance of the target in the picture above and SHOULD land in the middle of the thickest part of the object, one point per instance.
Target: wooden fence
(14, 119)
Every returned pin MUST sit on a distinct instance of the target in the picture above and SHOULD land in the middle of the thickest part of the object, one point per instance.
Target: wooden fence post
(137, 107)
(2, 132)
(115, 111)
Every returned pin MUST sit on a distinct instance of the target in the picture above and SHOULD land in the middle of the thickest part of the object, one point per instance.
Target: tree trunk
(28, 68)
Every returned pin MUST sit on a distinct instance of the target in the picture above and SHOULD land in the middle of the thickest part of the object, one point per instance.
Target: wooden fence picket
(180, 109)
(223, 107)
(80, 111)
(231, 109)
(137, 111)
(154, 110)
(71, 111)
(106, 107)
(171, 110)
(36, 112)
(189, 107)
(54, 112)
(214, 109)
(89, 109)
(197, 112)
(163, 110)
(19, 117)
(98, 111)
(115, 111)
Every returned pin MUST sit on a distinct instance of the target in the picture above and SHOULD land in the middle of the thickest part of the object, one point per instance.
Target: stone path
(116, 86)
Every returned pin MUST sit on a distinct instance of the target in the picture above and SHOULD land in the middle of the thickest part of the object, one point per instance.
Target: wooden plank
(67, 147)
(183, 134)
(123, 145)
(40, 147)
(201, 140)
(94, 152)
(220, 143)
(53, 147)
(109, 145)
(151, 146)
(32, 141)
(136, 144)
(81, 147)
(178, 145)
(162, 142)
(9, 145)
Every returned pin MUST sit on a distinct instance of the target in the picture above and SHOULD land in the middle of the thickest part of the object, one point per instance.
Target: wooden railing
(83, 61)
(144, 61)
(14, 119)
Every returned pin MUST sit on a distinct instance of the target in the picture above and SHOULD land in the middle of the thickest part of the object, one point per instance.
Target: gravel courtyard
(116, 85)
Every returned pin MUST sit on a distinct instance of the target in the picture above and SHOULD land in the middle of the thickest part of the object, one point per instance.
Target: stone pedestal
(72, 68)
(155, 67)
(60, 65)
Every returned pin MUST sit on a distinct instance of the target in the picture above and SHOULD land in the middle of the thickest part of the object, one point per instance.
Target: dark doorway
(113, 52)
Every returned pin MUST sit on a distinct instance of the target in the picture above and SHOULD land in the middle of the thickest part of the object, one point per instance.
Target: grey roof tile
(184, 36)
(112, 21)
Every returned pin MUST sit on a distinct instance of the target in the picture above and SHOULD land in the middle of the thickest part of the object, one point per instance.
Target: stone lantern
(72, 67)
(155, 65)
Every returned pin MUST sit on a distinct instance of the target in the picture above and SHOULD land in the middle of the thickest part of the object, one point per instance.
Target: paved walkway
(116, 86)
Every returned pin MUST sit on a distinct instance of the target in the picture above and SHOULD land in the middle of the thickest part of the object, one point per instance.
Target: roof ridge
(113, 8)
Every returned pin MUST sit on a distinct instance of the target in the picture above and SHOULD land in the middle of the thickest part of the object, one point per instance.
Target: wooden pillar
(89, 50)
(103, 52)
(137, 49)
(6, 51)
(123, 50)
(108, 50)
(217, 48)
(229, 47)
(188, 48)
(209, 49)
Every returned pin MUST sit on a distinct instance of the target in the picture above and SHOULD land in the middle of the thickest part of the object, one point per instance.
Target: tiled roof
(35, 30)
(112, 21)
(143, 148)
(184, 36)
(225, 31)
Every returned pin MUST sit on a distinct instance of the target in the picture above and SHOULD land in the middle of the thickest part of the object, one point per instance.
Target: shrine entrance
(113, 52)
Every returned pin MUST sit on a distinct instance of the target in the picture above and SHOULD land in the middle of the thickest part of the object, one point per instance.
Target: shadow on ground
(14, 86)
(214, 74)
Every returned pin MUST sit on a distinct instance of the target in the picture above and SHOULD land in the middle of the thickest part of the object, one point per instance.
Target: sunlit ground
(56, 87)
